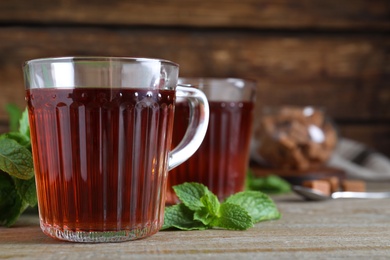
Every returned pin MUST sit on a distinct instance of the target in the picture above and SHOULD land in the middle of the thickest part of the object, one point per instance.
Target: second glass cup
(222, 160)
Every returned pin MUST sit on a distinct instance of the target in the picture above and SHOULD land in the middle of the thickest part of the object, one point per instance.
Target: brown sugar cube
(353, 185)
(318, 185)
(334, 183)
(313, 151)
(298, 160)
(317, 118)
(286, 142)
(298, 132)
(330, 136)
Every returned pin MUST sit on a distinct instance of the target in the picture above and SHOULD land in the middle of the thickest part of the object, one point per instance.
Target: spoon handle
(360, 195)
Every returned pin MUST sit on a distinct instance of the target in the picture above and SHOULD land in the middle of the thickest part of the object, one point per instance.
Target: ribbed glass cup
(101, 131)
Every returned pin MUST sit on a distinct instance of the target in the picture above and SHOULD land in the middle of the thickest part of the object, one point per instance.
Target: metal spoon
(311, 194)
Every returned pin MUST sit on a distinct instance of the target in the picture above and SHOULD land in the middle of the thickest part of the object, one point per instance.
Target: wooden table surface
(349, 228)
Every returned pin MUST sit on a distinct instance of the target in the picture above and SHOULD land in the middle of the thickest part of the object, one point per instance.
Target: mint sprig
(200, 209)
(17, 182)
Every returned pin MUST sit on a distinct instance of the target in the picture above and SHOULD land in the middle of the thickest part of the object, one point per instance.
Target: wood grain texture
(270, 14)
(354, 229)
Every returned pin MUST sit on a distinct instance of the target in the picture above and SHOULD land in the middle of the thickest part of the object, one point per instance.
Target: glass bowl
(295, 138)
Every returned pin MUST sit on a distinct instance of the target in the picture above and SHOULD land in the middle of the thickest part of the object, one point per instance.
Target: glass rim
(97, 58)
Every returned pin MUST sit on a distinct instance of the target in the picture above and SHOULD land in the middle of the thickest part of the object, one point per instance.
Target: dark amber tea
(106, 144)
(101, 134)
(221, 161)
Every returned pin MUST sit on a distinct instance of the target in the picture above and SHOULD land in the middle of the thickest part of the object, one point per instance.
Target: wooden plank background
(333, 54)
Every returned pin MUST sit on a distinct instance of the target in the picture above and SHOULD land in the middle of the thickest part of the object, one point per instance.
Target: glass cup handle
(197, 127)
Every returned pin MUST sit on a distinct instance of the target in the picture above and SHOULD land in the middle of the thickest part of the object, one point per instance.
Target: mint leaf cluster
(17, 182)
(200, 209)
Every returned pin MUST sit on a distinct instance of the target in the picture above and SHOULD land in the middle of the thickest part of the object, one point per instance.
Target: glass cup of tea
(101, 132)
(221, 162)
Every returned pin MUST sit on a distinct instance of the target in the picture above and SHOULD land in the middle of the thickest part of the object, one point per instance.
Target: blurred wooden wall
(329, 53)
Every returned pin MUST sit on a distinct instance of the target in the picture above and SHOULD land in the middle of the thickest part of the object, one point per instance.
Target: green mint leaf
(190, 193)
(210, 210)
(259, 205)
(271, 184)
(24, 127)
(181, 217)
(211, 203)
(6, 187)
(15, 159)
(27, 190)
(14, 114)
(275, 184)
(18, 137)
(11, 204)
(232, 217)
